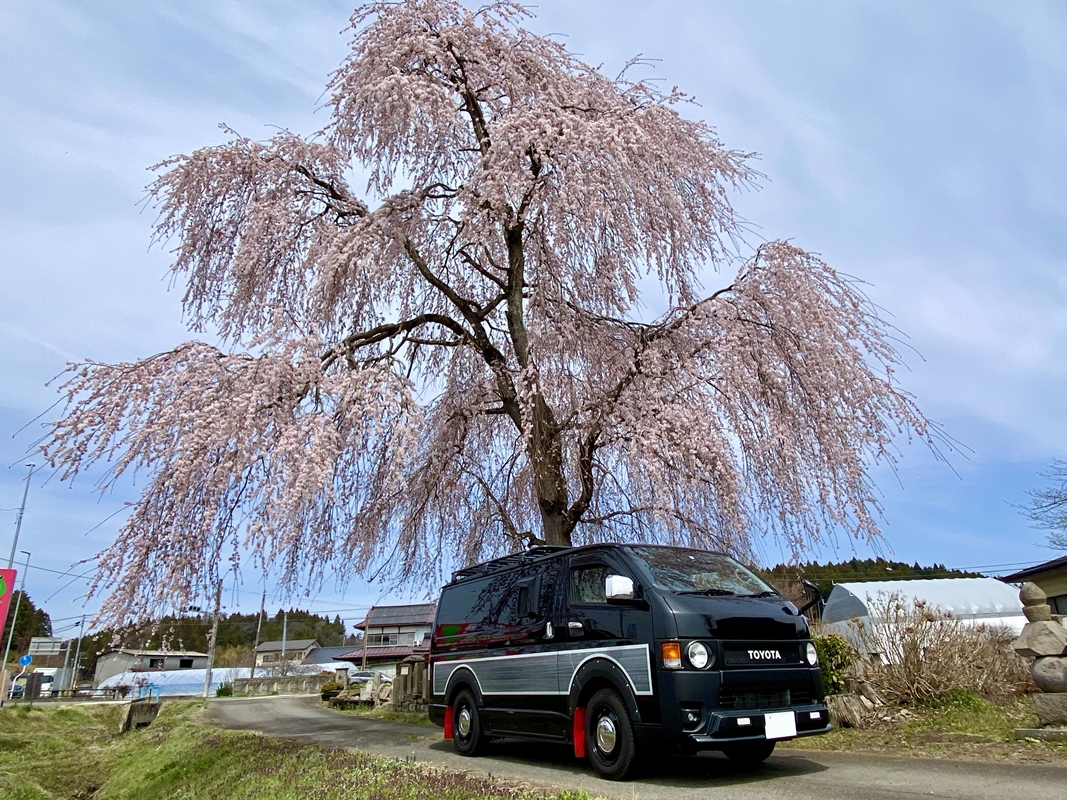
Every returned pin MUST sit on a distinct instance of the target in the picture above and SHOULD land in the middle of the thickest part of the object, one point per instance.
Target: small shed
(975, 601)
(114, 662)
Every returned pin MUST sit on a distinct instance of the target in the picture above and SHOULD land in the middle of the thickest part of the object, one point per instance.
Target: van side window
(587, 583)
(517, 605)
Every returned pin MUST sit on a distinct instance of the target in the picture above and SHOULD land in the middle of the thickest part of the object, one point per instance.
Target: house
(391, 634)
(1051, 577)
(290, 651)
(114, 662)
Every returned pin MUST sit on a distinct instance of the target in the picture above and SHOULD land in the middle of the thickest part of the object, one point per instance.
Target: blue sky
(917, 146)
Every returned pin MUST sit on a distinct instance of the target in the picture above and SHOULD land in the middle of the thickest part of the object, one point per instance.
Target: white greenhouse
(973, 601)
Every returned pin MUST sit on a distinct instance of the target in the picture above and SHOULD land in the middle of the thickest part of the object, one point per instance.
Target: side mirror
(618, 588)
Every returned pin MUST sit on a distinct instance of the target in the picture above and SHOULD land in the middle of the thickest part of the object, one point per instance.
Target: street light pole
(18, 522)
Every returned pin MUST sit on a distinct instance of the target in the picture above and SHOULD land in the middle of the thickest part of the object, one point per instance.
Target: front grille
(759, 654)
(762, 699)
(753, 697)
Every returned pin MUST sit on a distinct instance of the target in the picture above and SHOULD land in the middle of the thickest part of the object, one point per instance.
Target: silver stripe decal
(542, 673)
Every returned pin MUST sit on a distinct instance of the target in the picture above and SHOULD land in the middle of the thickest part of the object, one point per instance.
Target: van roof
(539, 552)
(508, 561)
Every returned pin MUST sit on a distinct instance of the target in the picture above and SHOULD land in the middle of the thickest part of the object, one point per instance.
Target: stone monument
(1044, 639)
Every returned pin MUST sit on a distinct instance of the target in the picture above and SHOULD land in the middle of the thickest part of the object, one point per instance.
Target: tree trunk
(546, 456)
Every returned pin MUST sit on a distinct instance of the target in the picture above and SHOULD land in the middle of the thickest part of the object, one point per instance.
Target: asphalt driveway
(793, 774)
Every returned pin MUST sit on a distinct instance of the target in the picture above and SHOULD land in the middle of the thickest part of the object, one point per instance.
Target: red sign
(7, 588)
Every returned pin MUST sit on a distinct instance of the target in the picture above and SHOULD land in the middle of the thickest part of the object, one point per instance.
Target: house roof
(391, 653)
(290, 645)
(156, 653)
(1036, 572)
(327, 655)
(387, 616)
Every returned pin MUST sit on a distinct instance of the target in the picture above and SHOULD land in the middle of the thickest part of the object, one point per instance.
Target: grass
(76, 753)
(404, 717)
(961, 725)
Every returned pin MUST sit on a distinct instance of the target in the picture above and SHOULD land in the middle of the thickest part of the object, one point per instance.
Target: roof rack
(504, 562)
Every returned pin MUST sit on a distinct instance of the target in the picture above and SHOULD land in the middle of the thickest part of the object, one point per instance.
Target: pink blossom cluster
(451, 362)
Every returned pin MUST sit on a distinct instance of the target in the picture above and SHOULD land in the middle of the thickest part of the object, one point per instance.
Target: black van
(618, 649)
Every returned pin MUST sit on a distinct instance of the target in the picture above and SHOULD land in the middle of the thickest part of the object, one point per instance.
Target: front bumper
(705, 710)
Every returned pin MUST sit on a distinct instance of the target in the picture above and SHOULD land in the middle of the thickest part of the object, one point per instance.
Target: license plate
(782, 725)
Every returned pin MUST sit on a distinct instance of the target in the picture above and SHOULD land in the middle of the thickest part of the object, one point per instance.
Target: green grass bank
(961, 726)
(74, 752)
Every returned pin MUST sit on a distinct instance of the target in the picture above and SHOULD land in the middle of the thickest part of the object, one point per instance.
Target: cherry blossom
(454, 361)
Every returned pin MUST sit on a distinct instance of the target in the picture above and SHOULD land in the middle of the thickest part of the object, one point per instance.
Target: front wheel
(609, 736)
(749, 753)
(467, 736)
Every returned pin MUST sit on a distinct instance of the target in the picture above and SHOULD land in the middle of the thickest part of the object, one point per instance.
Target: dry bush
(924, 653)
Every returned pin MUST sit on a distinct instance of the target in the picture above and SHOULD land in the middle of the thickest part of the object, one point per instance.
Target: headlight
(812, 654)
(698, 655)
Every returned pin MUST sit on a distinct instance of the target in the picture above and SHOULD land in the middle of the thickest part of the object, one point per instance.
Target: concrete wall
(292, 684)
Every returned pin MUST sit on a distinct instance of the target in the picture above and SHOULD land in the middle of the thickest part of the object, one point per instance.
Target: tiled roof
(385, 616)
(324, 655)
(392, 653)
(291, 644)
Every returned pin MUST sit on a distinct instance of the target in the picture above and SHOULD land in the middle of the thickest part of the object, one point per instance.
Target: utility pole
(77, 655)
(211, 641)
(65, 673)
(18, 522)
(366, 629)
(14, 619)
(285, 633)
(259, 628)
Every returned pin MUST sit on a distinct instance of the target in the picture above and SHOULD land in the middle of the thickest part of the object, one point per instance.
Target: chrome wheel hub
(464, 722)
(605, 734)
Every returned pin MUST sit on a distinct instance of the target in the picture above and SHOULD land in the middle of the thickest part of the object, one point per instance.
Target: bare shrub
(922, 653)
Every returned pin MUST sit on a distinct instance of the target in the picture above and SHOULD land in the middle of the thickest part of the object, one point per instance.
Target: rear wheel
(748, 753)
(609, 736)
(467, 736)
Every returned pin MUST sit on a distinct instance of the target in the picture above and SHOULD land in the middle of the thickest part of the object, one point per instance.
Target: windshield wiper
(764, 593)
(715, 592)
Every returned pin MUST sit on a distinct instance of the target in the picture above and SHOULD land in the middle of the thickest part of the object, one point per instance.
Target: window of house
(1059, 604)
(155, 663)
(383, 639)
(268, 658)
(185, 663)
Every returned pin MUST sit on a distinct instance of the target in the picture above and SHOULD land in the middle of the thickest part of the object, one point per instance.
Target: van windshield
(683, 571)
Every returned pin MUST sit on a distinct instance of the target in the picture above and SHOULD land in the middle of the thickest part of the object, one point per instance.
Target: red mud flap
(448, 722)
(579, 732)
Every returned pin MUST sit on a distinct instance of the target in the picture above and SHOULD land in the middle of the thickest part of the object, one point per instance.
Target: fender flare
(602, 668)
(466, 676)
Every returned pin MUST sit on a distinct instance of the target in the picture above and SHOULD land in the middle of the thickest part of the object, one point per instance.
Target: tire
(468, 738)
(609, 736)
(748, 753)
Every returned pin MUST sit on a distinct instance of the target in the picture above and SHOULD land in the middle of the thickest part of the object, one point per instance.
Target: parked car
(620, 649)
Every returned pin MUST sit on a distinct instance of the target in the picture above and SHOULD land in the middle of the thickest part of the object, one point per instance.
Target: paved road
(793, 774)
